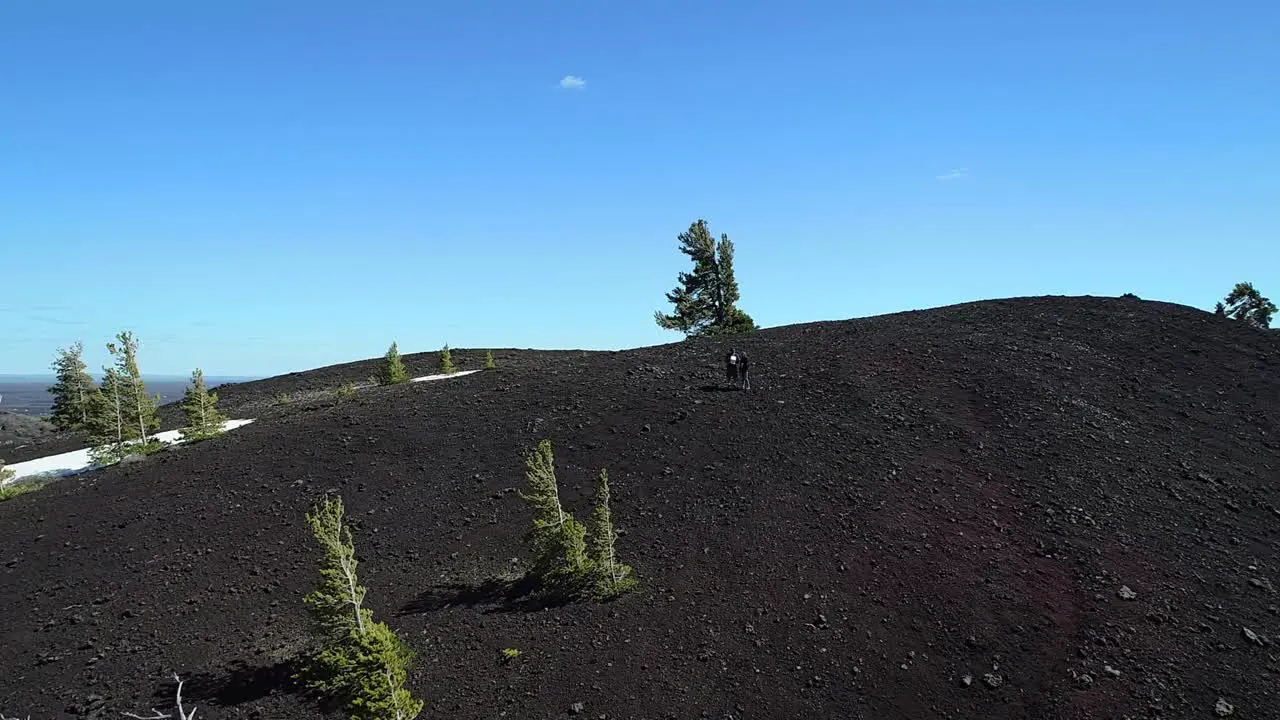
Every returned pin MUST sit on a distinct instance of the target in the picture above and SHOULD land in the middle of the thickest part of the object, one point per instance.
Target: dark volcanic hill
(269, 397)
(901, 503)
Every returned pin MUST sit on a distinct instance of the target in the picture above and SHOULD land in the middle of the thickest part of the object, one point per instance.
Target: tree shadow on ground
(718, 388)
(494, 595)
(239, 684)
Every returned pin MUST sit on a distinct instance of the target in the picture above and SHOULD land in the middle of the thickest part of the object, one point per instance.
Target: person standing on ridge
(737, 369)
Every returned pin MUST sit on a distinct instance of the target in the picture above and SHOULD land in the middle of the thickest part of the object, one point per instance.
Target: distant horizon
(45, 377)
(674, 338)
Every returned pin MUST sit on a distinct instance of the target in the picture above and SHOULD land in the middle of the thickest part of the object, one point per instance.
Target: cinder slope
(902, 501)
(280, 395)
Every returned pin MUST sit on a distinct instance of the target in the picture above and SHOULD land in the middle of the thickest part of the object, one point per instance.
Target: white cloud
(572, 82)
(955, 174)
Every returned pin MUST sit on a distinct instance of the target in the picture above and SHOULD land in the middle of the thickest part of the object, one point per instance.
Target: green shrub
(488, 360)
(115, 452)
(13, 490)
(446, 361)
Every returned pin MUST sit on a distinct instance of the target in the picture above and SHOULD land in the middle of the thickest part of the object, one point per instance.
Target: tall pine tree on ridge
(706, 299)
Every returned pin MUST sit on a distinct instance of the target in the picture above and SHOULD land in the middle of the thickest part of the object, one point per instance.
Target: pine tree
(488, 360)
(5, 473)
(1244, 302)
(558, 540)
(123, 411)
(356, 659)
(140, 408)
(446, 361)
(200, 406)
(73, 391)
(706, 299)
(108, 430)
(612, 577)
(393, 371)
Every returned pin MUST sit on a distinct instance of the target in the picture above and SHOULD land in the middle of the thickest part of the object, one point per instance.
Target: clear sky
(259, 186)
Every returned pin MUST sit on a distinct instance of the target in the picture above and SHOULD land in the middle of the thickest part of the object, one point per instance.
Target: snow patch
(70, 463)
(442, 376)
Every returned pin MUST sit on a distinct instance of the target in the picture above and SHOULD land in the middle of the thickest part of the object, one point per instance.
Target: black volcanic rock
(900, 503)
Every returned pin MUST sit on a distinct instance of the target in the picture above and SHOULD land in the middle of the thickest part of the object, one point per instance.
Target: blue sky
(261, 186)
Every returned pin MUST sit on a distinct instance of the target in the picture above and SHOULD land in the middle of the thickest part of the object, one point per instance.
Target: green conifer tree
(706, 299)
(612, 577)
(557, 539)
(199, 405)
(488, 360)
(1245, 303)
(73, 390)
(5, 473)
(139, 406)
(108, 430)
(123, 412)
(393, 372)
(355, 659)
(446, 362)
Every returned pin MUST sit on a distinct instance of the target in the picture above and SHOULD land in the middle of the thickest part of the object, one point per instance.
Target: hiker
(737, 369)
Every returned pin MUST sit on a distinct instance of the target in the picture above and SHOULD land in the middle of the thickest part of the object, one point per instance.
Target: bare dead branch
(157, 715)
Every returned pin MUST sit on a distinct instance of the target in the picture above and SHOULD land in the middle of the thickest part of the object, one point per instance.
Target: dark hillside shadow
(717, 388)
(495, 595)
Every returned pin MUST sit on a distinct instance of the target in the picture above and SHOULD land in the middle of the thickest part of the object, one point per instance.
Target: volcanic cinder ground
(1024, 508)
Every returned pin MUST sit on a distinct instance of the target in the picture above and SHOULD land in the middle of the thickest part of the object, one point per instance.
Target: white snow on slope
(70, 463)
(459, 373)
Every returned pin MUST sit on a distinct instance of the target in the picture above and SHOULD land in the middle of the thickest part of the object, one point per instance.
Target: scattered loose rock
(1254, 637)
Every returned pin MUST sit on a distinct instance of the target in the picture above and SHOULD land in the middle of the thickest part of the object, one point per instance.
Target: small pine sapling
(557, 539)
(200, 406)
(446, 361)
(488, 360)
(612, 578)
(5, 473)
(356, 659)
(393, 372)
